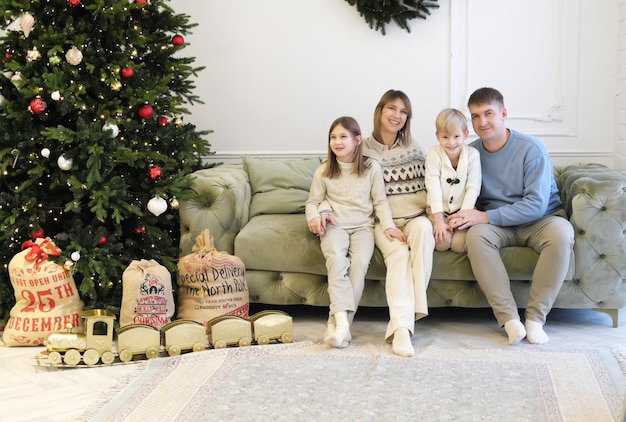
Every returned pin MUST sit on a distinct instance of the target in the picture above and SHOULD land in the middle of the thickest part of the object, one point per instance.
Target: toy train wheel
(245, 341)
(91, 357)
(173, 350)
(198, 347)
(286, 338)
(263, 340)
(220, 344)
(107, 358)
(126, 355)
(71, 357)
(54, 358)
(152, 353)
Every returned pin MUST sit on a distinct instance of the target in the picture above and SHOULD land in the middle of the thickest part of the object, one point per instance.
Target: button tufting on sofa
(284, 264)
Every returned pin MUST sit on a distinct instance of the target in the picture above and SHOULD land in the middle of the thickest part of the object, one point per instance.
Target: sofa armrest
(595, 200)
(225, 208)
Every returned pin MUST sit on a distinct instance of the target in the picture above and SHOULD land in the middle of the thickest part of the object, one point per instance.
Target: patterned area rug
(310, 381)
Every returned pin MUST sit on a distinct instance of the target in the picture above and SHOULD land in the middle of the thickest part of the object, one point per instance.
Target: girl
(352, 186)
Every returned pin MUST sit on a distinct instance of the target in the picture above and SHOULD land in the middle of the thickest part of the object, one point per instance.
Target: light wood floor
(31, 393)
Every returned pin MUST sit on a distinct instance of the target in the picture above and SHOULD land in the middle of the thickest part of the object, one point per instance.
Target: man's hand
(465, 219)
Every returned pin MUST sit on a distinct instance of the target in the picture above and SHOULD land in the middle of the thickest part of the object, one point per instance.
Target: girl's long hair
(360, 163)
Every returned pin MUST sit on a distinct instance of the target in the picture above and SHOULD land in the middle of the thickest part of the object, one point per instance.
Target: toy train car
(94, 344)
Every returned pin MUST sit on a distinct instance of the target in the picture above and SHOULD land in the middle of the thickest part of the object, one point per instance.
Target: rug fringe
(109, 394)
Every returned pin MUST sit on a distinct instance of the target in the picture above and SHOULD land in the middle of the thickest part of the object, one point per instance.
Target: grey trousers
(552, 237)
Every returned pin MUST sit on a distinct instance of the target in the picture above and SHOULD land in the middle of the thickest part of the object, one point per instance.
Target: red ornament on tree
(39, 234)
(102, 241)
(145, 111)
(37, 106)
(141, 1)
(155, 172)
(162, 121)
(127, 72)
(140, 230)
(178, 40)
(73, 3)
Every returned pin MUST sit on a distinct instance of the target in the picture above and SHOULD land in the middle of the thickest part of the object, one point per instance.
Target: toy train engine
(92, 345)
(138, 339)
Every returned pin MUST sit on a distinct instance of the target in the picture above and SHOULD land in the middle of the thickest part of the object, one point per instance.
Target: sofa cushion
(279, 186)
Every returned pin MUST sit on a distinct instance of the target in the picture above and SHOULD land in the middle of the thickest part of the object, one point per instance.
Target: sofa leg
(613, 313)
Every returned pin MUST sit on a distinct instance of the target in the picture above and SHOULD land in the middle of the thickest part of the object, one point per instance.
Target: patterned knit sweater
(404, 173)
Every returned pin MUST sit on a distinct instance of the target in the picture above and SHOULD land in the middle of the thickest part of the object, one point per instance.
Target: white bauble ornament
(3, 100)
(26, 23)
(65, 163)
(56, 95)
(17, 80)
(74, 56)
(157, 205)
(75, 256)
(45, 152)
(115, 130)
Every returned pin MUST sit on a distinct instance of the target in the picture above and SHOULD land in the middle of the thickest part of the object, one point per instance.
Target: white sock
(515, 330)
(401, 343)
(536, 335)
(340, 336)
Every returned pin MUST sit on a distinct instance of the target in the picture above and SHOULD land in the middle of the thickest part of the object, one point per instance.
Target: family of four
(384, 191)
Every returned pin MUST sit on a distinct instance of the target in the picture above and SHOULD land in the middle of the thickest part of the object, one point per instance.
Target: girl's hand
(315, 226)
(395, 234)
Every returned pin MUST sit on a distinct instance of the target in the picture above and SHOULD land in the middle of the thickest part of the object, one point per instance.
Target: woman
(409, 264)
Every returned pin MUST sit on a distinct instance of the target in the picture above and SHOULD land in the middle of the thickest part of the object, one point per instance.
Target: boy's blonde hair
(449, 120)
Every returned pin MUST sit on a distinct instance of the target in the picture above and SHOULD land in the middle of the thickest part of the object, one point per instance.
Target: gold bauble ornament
(174, 203)
(68, 265)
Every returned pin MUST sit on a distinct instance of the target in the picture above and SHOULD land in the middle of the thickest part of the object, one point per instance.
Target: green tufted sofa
(255, 210)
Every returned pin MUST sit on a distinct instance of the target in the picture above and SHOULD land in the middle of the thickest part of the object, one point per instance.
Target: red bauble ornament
(39, 234)
(37, 106)
(155, 172)
(140, 230)
(73, 3)
(127, 72)
(162, 121)
(102, 241)
(178, 40)
(145, 111)
(141, 1)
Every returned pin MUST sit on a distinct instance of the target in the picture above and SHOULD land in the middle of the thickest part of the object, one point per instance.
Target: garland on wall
(378, 13)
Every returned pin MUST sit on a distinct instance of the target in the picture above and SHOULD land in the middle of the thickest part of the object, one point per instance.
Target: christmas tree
(94, 153)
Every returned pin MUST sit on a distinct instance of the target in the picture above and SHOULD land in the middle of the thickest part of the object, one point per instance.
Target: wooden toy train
(94, 344)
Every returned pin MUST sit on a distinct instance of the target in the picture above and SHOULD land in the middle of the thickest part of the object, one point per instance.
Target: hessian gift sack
(45, 294)
(211, 283)
(147, 296)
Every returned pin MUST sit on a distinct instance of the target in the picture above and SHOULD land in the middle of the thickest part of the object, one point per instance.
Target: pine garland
(378, 13)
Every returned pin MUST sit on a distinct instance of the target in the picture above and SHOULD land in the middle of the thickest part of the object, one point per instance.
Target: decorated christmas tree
(94, 150)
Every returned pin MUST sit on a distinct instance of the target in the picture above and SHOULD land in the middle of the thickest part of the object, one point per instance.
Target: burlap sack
(147, 296)
(45, 294)
(211, 283)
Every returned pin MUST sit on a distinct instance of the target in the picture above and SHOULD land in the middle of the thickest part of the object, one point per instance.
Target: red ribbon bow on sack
(37, 254)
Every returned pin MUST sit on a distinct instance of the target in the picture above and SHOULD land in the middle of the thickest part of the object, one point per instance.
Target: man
(519, 205)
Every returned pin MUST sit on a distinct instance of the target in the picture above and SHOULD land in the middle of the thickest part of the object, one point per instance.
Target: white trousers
(348, 253)
(409, 266)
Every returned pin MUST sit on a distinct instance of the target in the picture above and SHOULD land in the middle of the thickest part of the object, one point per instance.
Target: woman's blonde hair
(360, 163)
(404, 134)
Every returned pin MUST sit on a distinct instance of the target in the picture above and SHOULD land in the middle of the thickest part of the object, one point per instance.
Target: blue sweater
(518, 184)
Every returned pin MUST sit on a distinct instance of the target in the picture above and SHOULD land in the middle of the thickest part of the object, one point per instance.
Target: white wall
(279, 71)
